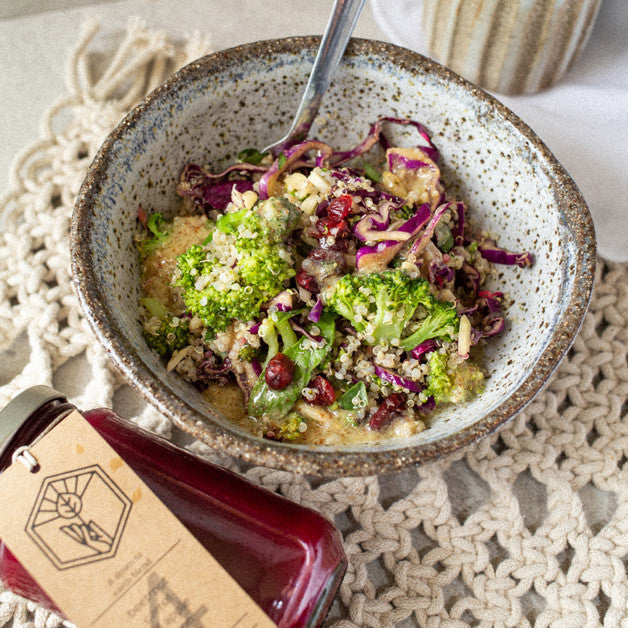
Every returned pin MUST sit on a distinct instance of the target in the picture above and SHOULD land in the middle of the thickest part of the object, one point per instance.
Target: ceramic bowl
(245, 97)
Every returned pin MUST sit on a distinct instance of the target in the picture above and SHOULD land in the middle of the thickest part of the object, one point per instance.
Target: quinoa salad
(323, 297)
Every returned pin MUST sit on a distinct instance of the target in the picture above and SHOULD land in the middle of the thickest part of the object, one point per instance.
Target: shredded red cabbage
(378, 256)
(425, 347)
(398, 380)
(375, 135)
(286, 161)
(497, 255)
(426, 236)
(316, 311)
(208, 191)
(399, 161)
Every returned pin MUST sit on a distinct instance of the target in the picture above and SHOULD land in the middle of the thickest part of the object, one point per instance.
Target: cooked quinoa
(343, 299)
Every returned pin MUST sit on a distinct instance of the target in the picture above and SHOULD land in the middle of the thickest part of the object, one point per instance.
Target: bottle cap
(21, 407)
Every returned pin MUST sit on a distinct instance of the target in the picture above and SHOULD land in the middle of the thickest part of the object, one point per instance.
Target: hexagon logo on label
(78, 517)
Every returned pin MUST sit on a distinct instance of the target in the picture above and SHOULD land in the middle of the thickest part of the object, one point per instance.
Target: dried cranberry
(325, 393)
(340, 207)
(279, 372)
(388, 410)
(325, 228)
(321, 209)
(306, 281)
(272, 433)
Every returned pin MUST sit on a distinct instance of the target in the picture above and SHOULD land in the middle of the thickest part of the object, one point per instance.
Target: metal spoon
(339, 28)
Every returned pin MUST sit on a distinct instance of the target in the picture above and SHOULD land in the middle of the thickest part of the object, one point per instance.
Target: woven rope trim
(528, 527)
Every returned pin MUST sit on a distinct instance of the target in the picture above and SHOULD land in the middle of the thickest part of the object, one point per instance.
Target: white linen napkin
(583, 119)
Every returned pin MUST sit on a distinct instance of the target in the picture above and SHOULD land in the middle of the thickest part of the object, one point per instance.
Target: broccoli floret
(156, 236)
(438, 381)
(449, 385)
(441, 322)
(262, 265)
(267, 223)
(193, 263)
(171, 335)
(381, 305)
(247, 353)
(378, 305)
(290, 428)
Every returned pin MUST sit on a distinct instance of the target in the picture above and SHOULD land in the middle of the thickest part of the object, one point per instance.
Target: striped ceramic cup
(508, 46)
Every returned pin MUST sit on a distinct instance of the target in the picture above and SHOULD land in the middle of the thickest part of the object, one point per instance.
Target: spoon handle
(339, 28)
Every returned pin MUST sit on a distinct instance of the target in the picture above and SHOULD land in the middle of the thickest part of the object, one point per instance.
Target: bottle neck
(32, 427)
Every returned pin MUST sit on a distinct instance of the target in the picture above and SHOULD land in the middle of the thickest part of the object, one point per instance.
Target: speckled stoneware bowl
(245, 97)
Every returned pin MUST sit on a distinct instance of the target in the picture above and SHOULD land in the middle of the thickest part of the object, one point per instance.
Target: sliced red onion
(426, 236)
(426, 346)
(377, 257)
(255, 328)
(257, 367)
(288, 158)
(393, 378)
(316, 311)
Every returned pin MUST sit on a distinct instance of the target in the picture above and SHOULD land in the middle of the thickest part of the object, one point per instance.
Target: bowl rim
(298, 458)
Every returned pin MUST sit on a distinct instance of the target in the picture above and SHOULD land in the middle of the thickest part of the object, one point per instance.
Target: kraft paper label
(105, 548)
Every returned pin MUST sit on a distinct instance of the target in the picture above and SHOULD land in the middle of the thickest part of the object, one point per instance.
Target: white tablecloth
(583, 119)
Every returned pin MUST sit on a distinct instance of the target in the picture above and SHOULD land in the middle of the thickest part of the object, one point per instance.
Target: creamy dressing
(324, 425)
(160, 264)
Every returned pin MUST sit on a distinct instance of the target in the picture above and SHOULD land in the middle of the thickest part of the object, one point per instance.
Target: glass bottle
(288, 558)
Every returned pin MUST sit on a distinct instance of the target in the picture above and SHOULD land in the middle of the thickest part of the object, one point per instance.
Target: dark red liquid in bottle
(288, 558)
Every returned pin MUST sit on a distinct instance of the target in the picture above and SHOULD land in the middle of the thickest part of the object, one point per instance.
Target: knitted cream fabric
(528, 527)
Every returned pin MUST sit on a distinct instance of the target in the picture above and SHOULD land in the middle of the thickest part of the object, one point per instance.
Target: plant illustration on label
(78, 517)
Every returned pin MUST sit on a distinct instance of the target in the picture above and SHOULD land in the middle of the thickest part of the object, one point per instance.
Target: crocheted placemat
(528, 527)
